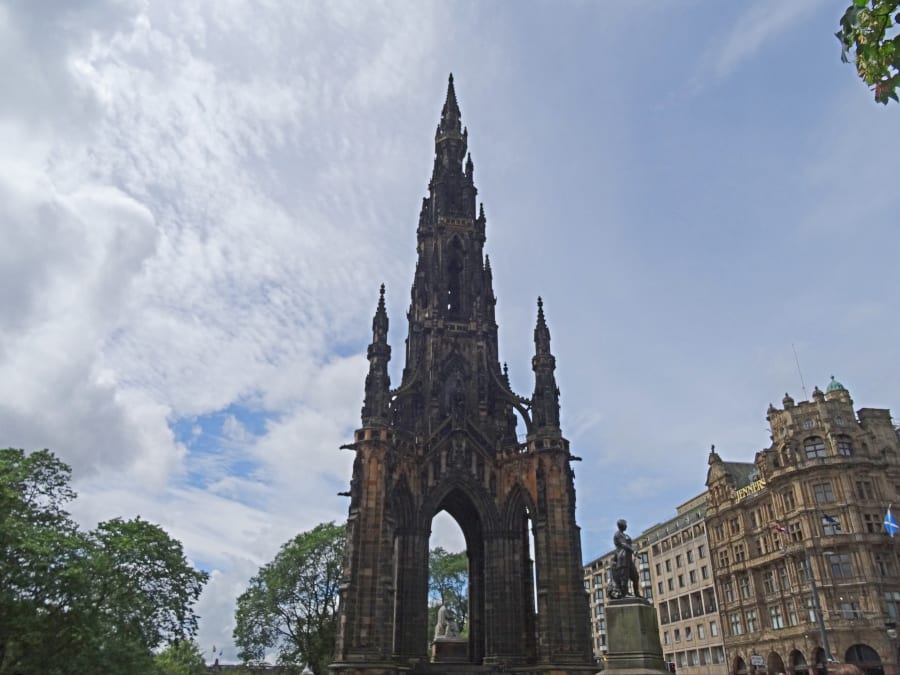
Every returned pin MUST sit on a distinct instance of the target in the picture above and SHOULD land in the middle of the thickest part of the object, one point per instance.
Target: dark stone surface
(633, 634)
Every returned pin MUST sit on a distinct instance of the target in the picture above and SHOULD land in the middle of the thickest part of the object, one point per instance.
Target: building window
(598, 581)
(688, 633)
(736, 626)
(831, 526)
(729, 591)
(690, 556)
(677, 635)
(751, 620)
(680, 581)
(808, 424)
(775, 617)
(864, 489)
(822, 493)
(800, 569)
(659, 587)
(744, 583)
(783, 577)
(796, 532)
(704, 572)
(735, 525)
(701, 631)
(814, 447)
(872, 522)
(723, 558)
(669, 565)
(769, 585)
(658, 569)
(598, 594)
(701, 551)
(719, 654)
(850, 610)
(671, 585)
(678, 559)
(792, 613)
(840, 565)
(713, 629)
(845, 447)
(810, 610)
(788, 498)
(666, 637)
(693, 576)
(892, 601)
(739, 554)
(883, 566)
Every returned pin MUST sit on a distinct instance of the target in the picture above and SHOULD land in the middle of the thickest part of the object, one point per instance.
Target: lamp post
(891, 630)
(817, 608)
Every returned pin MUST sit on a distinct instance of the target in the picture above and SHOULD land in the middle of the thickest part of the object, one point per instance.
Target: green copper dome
(834, 385)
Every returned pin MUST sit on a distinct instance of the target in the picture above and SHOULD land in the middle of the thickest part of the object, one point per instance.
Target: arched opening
(866, 658)
(455, 279)
(774, 663)
(818, 660)
(457, 521)
(522, 572)
(739, 666)
(448, 575)
(798, 662)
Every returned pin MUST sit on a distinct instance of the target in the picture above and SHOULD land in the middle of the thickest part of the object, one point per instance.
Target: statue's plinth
(633, 636)
(450, 650)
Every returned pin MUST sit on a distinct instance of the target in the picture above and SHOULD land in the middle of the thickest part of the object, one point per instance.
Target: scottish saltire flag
(890, 523)
(831, 520)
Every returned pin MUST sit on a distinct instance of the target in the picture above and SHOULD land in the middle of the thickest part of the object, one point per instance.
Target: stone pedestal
(633, 635)
(450, 650)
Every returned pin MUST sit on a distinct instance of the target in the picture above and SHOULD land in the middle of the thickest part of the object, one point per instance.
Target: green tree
(290, 606)
(448, 584)
(181, 658)
(869, 35)
(71, 601)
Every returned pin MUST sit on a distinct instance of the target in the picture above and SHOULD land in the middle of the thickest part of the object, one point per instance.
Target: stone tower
(448, 439)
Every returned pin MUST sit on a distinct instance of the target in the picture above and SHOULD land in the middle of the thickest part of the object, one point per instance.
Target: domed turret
(834, 385)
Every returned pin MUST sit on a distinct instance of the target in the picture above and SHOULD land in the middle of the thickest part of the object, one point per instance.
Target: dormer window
(814, 447)
(845, 446)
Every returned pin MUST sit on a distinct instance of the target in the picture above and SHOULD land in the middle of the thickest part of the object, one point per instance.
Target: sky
(201, 199)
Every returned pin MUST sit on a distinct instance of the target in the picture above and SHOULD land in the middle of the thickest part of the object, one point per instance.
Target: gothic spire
(545, 401)
(541, 332)
(378, 382)
(450, 113)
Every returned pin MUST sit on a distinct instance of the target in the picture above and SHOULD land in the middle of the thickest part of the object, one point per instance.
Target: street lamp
(817, 608)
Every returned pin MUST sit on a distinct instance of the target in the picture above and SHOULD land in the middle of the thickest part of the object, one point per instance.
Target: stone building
(448, 439)
(803, 565)
(681, 578)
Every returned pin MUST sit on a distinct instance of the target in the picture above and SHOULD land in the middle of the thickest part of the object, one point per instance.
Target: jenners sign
(752, 489)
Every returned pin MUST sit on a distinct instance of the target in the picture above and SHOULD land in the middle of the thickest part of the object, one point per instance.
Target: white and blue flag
(890, 523)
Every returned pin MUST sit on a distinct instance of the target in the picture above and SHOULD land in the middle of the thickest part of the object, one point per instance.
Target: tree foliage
(869, 34)
(181, 658)
(74, 601)
(448, 583)
(290, 606)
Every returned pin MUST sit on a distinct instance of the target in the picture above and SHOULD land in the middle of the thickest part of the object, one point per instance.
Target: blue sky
(201, 200)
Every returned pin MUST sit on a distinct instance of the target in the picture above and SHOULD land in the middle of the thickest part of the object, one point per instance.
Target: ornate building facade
(447, 439)
(804, 569)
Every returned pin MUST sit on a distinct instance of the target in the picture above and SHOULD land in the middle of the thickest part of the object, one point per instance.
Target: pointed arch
(402, 505)
(518, 502)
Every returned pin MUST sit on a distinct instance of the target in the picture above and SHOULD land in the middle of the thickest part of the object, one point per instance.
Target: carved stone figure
(624, 569)
(446, 624)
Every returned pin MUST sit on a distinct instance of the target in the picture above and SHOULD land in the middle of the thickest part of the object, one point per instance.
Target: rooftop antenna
(799, 372)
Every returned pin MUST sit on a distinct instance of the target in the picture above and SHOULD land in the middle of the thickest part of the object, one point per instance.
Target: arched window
(845, 446)
(814, 447)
